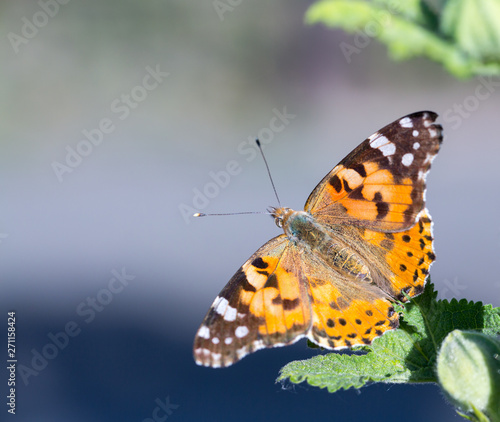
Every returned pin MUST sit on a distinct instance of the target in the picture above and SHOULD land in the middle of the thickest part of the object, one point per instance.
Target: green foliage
(405, 355)
(462, 35)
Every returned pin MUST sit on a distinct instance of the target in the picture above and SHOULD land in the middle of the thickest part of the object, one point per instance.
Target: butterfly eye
(279, 215)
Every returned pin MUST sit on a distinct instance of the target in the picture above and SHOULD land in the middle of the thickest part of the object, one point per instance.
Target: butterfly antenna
(268, 171)
(201, 214)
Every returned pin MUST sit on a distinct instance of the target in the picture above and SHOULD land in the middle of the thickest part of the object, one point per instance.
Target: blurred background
(172, 93)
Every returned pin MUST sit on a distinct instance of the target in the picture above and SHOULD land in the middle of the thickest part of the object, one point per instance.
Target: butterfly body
(363, 240)
(314, 238)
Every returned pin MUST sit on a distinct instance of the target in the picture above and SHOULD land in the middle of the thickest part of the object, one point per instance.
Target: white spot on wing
(221, 306)
(407, 159)
(228, 340)
(204, 332)
(230, 314)
(416, 145)
(406, 122)
(241, 331)
(215, 340)
(388, 149)
(200, 355)
(258, 344)
(202, 351)
(378, 142)
(415, 133)
(432, 132)
(241, 352)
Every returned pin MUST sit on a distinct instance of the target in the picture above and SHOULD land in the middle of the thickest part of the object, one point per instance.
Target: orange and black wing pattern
(265, 304)
(381, 184)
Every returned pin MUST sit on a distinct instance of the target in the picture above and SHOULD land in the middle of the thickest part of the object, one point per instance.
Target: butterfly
(363, 241)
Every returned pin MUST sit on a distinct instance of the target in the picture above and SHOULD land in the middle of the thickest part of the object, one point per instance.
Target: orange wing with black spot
(381, 184)
(408, 255)
(265, 304)
(345, 313)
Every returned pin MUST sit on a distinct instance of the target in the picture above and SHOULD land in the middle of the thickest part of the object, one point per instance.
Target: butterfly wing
(406, 257)
(345, 311)
(381, 184)
(283, 293)
(265, 304)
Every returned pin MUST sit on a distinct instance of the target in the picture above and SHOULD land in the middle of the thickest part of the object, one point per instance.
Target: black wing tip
(432, 115)
(429, 115)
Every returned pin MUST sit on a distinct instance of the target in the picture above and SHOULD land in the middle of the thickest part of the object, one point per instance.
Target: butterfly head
(280, 215)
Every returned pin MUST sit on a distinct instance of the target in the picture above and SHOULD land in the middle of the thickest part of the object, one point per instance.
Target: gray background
(60, 240)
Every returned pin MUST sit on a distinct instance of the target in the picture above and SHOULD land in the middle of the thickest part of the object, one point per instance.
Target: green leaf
(473, 24)
(413, 28)
(407, 354)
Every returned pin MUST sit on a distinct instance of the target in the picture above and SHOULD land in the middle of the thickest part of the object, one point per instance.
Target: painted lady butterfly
(363, 239)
